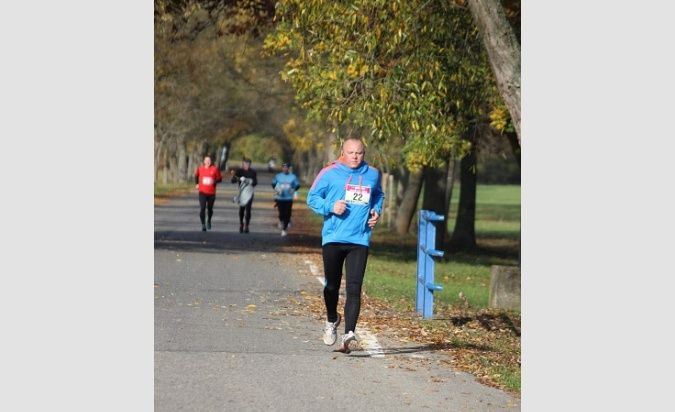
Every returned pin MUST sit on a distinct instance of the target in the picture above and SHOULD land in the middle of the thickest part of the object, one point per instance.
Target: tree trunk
(306, 170)
(173, 169)
(390, 199)
(191, 167)
(409, 203)
(450, 183)
(503, 52)
(515, 145)
(464, 235)
(395, 198)
(449, 186)
(313, 164)
(402, 184)
(434, 200)
(158, 151)
(182, 160)
(203, 149)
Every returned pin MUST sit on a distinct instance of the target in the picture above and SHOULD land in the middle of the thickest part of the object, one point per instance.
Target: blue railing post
(426, 244)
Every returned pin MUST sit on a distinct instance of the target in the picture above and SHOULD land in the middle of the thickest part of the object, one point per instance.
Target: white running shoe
(346, 340)
(330, 331)
(283, 233)
(289, 224)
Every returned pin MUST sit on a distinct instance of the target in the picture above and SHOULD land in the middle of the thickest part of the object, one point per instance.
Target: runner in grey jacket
(247, 179)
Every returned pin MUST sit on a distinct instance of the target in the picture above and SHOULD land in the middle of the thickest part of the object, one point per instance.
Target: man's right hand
(339, 207)
(197, 186)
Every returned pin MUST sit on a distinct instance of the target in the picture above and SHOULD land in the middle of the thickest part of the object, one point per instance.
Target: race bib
(357, 195)
(207, 180)
(284, 189)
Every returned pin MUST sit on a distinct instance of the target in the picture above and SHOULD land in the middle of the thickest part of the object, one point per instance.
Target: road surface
(229, 338)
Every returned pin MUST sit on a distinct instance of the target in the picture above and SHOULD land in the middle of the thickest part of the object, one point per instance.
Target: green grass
(391, 277)
(392, 263)
(394, 281)
(497, 211)
(495, 194)
(510, 378)
(162, 191)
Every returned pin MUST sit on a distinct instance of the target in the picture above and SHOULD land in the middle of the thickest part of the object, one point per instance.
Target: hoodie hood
(352, 176)
(344, 168)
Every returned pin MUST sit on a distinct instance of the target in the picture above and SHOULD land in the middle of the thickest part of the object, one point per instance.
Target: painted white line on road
(315, 271)
(370, 344)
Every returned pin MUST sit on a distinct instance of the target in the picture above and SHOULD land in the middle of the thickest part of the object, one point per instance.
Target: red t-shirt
(208, 177)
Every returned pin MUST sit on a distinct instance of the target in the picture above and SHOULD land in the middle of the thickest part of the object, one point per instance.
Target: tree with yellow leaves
(412, 73)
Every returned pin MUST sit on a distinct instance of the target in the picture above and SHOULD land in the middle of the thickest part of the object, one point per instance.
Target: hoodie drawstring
(360, 187)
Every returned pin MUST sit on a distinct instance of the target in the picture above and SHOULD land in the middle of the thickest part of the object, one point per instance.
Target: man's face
(284, 169)
(353, 153)
(207, 161)
(245, 165)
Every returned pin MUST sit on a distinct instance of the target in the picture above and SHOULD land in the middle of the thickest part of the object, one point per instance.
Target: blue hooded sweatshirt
(360, 188)
(285, 186)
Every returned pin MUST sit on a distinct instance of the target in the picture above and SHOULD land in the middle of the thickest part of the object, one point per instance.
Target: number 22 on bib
(357, 195)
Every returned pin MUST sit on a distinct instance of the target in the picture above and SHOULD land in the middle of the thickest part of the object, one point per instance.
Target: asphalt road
(227, 337)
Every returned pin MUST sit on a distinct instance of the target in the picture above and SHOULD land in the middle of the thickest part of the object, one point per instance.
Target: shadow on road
(177, 225)
(418, 349)
(219, 242)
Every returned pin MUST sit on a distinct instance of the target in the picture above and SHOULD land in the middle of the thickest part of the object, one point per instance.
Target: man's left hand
(373, 218)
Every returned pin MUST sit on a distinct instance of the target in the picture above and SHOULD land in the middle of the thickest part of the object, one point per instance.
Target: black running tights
(247, 211)
(204, 201)
(285, 209)
(354, 258)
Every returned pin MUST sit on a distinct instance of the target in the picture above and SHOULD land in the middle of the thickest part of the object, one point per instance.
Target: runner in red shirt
(206, 177)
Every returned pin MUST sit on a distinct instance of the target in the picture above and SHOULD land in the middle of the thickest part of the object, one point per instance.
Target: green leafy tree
(212, 85)
(410, 70)
(503, 48)
(412, 76)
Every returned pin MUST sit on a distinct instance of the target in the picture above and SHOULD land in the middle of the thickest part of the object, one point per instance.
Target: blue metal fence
(426, 243)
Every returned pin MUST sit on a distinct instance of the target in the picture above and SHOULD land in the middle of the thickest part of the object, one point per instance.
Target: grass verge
(167, 191)
(479, 340)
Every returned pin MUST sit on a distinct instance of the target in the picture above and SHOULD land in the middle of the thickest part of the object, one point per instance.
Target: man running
(247, 180)
(348, 194)
(285, 184)
(206, 178)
